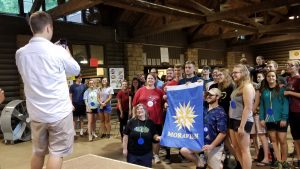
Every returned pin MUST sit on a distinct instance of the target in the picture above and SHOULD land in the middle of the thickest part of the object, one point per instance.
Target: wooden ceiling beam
(274, 39)
(168, 27)
(237, 26)
(72, 6)
(36, 6)
(201, 7)
(263, 6)
(154, 9)
(290, 25)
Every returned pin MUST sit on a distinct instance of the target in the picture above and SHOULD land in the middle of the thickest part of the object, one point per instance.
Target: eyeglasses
(209, 94)
(218, 75)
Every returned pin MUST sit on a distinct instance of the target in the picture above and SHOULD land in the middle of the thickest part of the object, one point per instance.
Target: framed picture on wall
(294, 54)
(116, 76)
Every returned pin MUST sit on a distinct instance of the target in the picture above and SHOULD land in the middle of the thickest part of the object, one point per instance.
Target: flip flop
(262, 164)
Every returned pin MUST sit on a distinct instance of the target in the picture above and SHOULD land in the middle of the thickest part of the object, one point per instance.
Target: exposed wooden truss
(237, 19)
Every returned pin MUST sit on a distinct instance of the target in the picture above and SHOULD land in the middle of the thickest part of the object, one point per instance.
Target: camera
(63, 43)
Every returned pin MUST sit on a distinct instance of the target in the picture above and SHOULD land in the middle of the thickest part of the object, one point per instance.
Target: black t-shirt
(136, 129)
(225, 102)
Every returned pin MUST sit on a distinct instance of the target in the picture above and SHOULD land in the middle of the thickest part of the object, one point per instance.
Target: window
(80, 54)
(9, 6)
(50, 4)
(28, 5)
(75, 17)
(97, 52)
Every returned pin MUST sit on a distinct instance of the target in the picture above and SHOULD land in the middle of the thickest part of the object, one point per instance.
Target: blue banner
(184, 120)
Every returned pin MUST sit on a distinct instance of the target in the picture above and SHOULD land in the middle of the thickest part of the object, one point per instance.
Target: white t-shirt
(105, 92)
(90, 97)
(44, 68)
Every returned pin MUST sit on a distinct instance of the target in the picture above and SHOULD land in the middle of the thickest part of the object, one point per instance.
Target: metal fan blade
(18, 115)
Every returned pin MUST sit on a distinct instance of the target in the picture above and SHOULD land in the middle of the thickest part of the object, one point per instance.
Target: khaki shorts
(55, 138)
(216, 157)
(257, 128)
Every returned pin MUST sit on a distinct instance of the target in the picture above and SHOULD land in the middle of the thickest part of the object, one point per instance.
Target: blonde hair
(244, 80)
(145, 109)
(227, 79)
(296, 62)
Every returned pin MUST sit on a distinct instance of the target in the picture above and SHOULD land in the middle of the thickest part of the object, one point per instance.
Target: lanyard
(270, 112)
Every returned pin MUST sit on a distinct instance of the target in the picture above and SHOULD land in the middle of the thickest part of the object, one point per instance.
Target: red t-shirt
(124, 97)
(152, 99)
(294, 85)
(170, 83)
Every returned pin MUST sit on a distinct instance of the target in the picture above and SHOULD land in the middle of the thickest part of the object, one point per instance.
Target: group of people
(237, 104)
(94, 101)
(238, 110)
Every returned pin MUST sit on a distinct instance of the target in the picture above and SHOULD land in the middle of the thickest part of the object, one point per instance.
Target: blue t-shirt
(215, 122)
(77, 91)
(192, 80)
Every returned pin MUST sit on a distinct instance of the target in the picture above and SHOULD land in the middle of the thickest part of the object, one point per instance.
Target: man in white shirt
(44, 67)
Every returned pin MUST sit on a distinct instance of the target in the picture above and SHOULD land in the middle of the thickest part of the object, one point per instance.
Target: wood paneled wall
(278, 52)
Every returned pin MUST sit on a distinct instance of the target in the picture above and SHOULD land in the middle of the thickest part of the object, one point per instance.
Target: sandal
(262, 164)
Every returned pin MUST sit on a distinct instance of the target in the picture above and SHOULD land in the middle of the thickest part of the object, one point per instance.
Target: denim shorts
(105, 109)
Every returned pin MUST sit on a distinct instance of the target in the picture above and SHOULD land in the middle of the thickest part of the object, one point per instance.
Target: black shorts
(275, 126)
(79, 111)
(294, 120)
(158, 128)
(235, 124)
(93, 111)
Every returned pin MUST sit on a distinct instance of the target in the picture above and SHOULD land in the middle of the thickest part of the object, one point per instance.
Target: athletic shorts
(235, 124)
(294, 120)
(93, 111)
(106, 109)
(275, 126)
(54, 138)
(79, 110)
(257, 128)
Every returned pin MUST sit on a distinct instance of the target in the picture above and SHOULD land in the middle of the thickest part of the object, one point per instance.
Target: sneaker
(167, 161)
(277, 164)
(103, 136)
(81, 132)
(286, 165)
(94, 135)
(156, 159)
(90, 138)
(108, 136)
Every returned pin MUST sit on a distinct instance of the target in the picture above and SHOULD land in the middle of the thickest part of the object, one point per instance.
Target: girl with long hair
(240, 115)
(106, 93)
(274, 115)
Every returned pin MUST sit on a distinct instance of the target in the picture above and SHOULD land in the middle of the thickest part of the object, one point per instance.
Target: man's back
(43, 67)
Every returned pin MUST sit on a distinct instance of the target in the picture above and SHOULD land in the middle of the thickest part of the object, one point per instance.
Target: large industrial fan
(15, 123)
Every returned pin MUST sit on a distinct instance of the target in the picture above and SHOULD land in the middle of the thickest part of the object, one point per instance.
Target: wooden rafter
(72, 6)
(290, 25)
(36, 5)
(263, 6)
(201, 7)
(168, 27)
(154, 9)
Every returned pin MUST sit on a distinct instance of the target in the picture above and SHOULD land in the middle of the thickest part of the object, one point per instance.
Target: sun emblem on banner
(185, 116)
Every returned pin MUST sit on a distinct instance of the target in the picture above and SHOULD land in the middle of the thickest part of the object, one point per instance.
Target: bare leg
(37, 162)
(90, 124)
(255, 143)
(297, 148)
(264, 142)
(283, 145)
(274, 141)
(54, 162)
(107, 123)
(190, 155)
(235, 146)
(102, 123)
(244, 145)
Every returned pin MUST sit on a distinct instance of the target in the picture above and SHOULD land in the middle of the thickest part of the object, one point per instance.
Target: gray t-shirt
(236, 108)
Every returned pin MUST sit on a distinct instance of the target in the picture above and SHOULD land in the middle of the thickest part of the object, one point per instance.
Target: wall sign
(116, 76)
